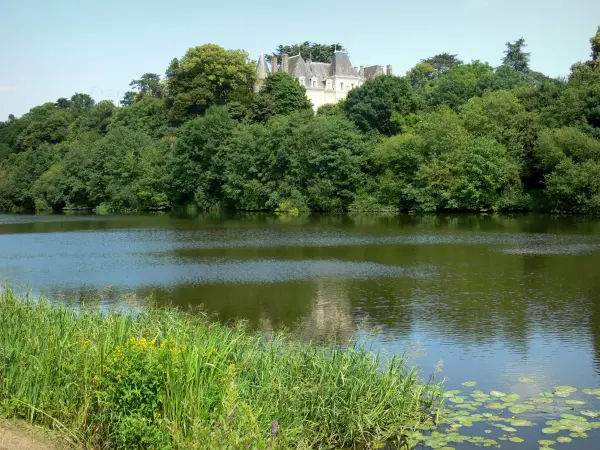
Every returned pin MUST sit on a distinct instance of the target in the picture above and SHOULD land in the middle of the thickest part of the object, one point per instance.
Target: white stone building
(325, 83)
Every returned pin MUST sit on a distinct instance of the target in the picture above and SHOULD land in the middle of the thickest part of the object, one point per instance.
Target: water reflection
(507, 293)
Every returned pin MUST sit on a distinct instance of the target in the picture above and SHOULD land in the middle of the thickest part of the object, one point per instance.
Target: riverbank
(164, 379)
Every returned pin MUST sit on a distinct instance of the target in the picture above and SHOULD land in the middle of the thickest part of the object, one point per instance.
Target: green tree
(82, 101)
(574, 187)
(442, 62)
(421, 75)
(553, 146)
(515, 57)
(281, 94)
(595, 44)
(207, 75)
(380, 103)
(149, 85)
(457, 85)
(196, 173)
(500, 116)
(95, 119)
(308, 50)
(148, 115)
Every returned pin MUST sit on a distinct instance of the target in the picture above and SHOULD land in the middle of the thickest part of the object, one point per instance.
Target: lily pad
(516, 439)
(520, 409)
(546, 442)
(521, 423)
(526, 380)
(575, 402)
(469, 383)
(550, 430)
(497, 394)
(595, 392)
(590, 413)
(451, 393)
(547, 394)
(495, 405)
(564, 439)
(570, 389)
(511, 398)
(546, 401)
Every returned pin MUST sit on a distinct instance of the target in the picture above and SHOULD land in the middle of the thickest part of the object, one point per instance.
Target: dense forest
(446, 136)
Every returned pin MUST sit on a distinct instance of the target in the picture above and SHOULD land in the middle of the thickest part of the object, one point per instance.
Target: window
(313, 82)
(352, 86)
(328, 84)
(342, 86)
(301, 80)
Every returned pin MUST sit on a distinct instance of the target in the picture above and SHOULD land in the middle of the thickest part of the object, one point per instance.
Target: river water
(488, 298)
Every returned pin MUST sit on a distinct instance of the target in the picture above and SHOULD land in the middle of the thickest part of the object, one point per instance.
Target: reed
(166, 379)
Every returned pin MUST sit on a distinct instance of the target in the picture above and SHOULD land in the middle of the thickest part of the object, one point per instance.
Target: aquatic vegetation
(163, 379)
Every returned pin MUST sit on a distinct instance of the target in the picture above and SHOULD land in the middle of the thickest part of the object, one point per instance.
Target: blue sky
(54, 49)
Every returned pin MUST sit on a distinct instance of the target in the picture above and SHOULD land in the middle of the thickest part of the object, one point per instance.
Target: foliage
(308, 50)
(379, 102)
(442, 62)
(446, 136)
(515, 57)
(280, 95)
(207, 75)
(163, 379)
(195, 168)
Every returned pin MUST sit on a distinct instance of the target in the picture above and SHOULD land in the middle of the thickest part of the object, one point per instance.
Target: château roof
(373, 71)
(341, 65)
(262, 69)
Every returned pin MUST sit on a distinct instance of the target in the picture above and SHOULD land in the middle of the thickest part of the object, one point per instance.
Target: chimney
(274, 61)
(284, 63)
(388, 69)
(361, 71)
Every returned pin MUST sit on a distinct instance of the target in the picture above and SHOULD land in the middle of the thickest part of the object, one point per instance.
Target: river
(488, 298)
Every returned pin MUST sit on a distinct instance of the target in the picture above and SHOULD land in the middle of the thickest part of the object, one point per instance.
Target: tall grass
(165, 379)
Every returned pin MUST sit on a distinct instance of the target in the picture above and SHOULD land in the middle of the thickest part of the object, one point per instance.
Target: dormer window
(301, 80)
(314, 82)
(328, 84)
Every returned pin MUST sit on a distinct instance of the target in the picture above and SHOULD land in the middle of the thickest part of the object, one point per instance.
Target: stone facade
(325, 83)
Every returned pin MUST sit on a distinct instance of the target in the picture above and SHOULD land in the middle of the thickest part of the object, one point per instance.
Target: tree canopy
(446, 136)
(308, 50)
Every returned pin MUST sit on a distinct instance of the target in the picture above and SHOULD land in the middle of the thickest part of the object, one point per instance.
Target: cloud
(4, 88)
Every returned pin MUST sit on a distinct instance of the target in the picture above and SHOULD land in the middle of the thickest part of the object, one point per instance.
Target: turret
(262, 72)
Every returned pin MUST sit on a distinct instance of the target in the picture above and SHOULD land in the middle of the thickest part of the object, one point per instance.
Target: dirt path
(19, 436)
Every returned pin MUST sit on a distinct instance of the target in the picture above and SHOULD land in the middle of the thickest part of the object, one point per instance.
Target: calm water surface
(489, 298)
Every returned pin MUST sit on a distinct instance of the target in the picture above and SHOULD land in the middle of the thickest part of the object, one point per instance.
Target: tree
(421, 75)
(207, 75)
(148, 115)
(442, 62)
(96, 118)
(515, 57)
(380, 103)
(281, 94)
(128, 98)
(308, 50)
(457, 85)
(500, 116)
(195, 173)
(575, 187)
(149, 85)
(82, 101)
(63, 103)
(595, 43)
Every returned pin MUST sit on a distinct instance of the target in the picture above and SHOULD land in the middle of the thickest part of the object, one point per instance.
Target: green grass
(165, 379)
